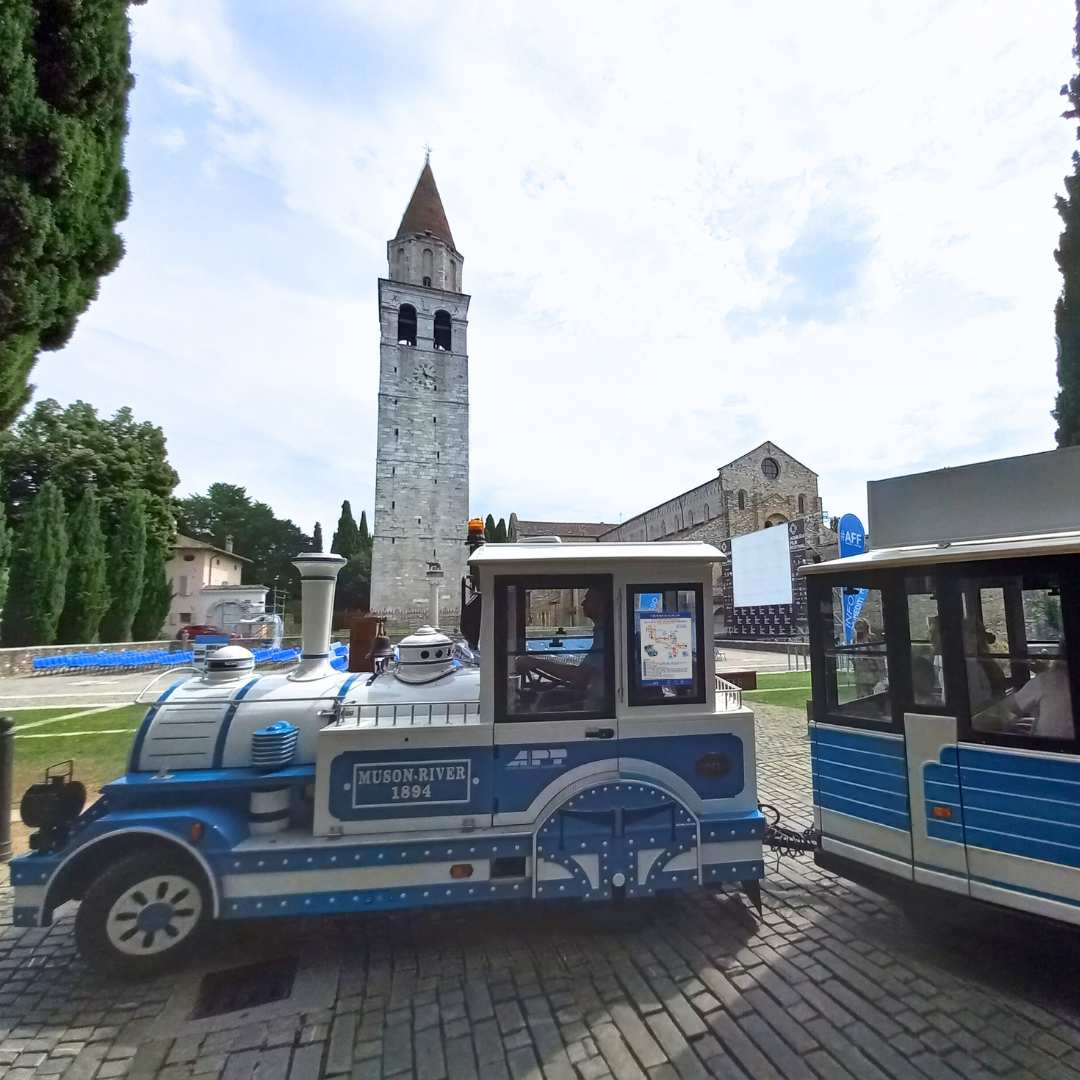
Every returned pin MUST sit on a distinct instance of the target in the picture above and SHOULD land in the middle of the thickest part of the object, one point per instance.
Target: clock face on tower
(423, 376)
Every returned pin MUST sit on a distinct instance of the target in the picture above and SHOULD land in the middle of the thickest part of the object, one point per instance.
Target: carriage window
(856, 665)
(1014, 656)
(554, 652)
(924, 634)
(666, 665)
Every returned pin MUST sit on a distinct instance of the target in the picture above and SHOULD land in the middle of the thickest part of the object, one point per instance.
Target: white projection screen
(761, 568)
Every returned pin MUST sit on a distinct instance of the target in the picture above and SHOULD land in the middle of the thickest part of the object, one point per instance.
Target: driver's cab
(597, 666)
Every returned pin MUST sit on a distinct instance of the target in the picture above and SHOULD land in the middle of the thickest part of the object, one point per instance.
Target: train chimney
(318, 575)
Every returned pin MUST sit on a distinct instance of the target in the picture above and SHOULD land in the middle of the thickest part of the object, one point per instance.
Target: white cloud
(625, 182)
(173, 139)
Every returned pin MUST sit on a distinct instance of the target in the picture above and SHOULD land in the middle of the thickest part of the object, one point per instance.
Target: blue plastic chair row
(137, 659)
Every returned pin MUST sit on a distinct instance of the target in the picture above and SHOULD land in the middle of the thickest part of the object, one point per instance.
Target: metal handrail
(728, 695)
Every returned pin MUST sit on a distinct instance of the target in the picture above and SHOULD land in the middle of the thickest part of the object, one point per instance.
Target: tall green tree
(39, 566)
(271, 543)
(1067, 310)
(65, 75)
(87, 594)
(489, 529)
(365, 534)
(500, 531)
(5, 555)
(157, 593)
(127, 561)
(346, 536)
(353, 591)
(74, 447)
(316, 538)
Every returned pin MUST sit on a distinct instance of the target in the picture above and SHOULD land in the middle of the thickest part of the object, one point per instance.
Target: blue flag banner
(852, 537)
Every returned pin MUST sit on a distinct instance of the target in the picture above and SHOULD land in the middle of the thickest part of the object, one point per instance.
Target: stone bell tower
(422, 460)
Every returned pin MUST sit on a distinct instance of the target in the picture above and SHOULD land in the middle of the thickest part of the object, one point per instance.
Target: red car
(193, 630)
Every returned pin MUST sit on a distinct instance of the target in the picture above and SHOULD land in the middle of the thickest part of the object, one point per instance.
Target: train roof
(494, 555)
(1011, 547)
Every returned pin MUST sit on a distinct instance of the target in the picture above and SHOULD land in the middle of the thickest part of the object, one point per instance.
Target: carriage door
(929, 711)
(554, 678)
(1019, 769)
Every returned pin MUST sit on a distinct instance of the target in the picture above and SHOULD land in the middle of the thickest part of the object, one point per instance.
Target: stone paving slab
(831, 982)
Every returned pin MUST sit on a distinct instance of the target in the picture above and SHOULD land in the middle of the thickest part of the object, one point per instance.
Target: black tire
(123, 929)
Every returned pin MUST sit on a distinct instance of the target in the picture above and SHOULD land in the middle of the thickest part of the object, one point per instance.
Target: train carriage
(946, 672)
(582, 748)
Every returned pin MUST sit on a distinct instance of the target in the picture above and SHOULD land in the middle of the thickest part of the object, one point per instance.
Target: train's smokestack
(318, 575)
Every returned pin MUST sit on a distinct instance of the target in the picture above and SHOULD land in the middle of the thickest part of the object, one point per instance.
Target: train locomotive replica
(579, 745)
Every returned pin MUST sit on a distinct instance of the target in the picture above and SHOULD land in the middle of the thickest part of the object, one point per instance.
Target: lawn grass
(786, 689)
(98, 758)
(28, 716)
(772, 679)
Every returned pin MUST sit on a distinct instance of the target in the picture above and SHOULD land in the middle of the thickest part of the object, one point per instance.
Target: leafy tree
(270, 543)
(1067, 310)
(157, 593)
(75, 448)
(500, 531)
(64, 82)
(39, 568)
(354, 583)
(365, 535)
(346, 536)
(316, 538)
(87, 596)
(127, 562)
(489, 529)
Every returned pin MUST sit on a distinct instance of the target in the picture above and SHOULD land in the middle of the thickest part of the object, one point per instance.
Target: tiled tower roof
(425, 213)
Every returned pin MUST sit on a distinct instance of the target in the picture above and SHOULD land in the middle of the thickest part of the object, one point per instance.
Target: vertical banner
(852, 537)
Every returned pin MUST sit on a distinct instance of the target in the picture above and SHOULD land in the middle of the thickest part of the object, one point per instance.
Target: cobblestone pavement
(832, 982)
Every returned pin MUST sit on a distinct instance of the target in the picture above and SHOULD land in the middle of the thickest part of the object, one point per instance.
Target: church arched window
(406, 325)
(742, 500)
(802, 504)
(453, 276)
(442, 330)
(706, 511)
(428, 266)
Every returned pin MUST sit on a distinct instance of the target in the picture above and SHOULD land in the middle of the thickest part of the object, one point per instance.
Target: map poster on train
(667, 649)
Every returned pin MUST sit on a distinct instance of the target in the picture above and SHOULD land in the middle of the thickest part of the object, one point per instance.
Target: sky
(687, 228)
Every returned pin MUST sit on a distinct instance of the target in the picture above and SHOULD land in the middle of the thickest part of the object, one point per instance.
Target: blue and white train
(589, 752)
(946, 673)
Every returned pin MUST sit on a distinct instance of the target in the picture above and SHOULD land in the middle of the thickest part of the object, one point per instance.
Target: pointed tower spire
(425, 213)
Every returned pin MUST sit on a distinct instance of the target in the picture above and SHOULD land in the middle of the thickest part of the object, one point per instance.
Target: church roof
(425, 213)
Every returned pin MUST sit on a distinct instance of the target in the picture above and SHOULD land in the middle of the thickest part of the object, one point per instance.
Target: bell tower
(422, 458)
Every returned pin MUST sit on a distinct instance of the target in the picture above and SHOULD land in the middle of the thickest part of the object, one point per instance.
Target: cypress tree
(489, 529)
(127, 560)
(39, 566)
(156, 593)
(346, 536)
(316, 538)
(500, 531)
(5, 555)
(365, 535)
(1067, 309)
(87, 592)
(64, 82)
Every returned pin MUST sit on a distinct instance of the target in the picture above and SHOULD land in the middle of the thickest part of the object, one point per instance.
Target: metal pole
(7, 761)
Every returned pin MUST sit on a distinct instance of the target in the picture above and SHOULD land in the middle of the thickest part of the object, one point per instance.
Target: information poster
(667, 649)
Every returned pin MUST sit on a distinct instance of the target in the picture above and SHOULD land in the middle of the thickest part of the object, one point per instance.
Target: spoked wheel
(142, 914)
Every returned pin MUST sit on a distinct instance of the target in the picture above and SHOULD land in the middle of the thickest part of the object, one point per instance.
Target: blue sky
(686, 230)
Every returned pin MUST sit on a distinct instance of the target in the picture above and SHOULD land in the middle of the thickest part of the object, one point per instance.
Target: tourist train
(577, 745)
(946, 672)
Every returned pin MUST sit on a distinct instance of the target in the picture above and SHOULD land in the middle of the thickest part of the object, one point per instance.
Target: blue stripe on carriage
(946, 793)
(860, 740)
(1028, 827)
(347, 684)
(1036, 787)
(877, 814)
(941, 774)
(953, 831)
(863, 793)
(831, 770)
(1022, 806)
(1070, 900)
(1008, 844)
(888, 764)
(1050, 767)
